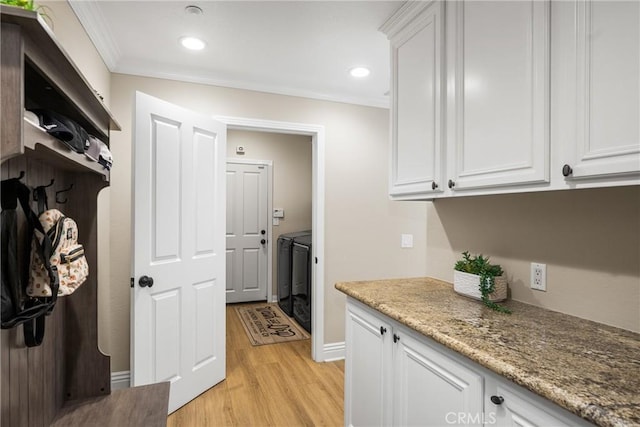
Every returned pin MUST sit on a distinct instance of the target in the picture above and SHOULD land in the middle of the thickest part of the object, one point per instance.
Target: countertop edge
(561, 397)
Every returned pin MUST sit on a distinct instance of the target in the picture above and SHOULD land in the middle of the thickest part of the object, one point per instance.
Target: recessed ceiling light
(359, 72)
(193, 10)
(192, 43)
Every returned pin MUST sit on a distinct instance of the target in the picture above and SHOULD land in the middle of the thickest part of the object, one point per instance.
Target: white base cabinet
(396, 376)
(368, 381)
(430, 388)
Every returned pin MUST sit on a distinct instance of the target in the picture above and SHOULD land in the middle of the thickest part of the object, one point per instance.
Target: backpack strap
(35, 328)
(40, 194)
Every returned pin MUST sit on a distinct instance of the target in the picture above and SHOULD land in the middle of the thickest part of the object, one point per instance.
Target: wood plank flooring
(269, 385)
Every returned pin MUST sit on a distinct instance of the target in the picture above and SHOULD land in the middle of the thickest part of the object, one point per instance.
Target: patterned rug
(267, 324)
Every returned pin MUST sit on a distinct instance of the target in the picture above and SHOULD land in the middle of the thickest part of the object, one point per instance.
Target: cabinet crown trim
(403, 16)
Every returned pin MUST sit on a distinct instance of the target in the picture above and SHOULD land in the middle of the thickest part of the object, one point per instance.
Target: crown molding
(403, 16)
(94, 23)
(135, 70)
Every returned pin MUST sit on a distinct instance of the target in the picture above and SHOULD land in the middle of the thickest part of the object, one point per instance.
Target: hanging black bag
(17, 308)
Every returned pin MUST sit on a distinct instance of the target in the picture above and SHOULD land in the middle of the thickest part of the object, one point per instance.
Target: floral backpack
(67, 255)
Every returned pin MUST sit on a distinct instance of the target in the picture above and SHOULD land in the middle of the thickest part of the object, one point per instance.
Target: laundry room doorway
(315, 139)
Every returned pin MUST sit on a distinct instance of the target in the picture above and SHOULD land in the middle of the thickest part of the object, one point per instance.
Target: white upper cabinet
(416, 32)
(513, 96)
(499, 103)
(606, 72)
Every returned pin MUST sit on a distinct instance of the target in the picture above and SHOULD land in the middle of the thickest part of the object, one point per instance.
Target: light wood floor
(269, 385)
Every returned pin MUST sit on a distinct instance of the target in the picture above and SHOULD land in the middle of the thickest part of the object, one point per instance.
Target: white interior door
(178, 320)
(247, 233)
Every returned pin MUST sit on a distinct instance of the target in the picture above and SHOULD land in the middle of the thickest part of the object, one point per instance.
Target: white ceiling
(300, 48)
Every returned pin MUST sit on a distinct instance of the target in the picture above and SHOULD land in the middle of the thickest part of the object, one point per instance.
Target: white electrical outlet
(539, 276)
(406, 240)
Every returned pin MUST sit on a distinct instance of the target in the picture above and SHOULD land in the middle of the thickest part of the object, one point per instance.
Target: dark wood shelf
(46, 54)
(39, 144)
(138, 406)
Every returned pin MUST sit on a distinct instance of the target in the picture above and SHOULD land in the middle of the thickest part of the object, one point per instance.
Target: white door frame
(269, 166)
(316, 132)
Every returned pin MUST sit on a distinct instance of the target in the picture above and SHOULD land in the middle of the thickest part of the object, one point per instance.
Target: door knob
(262, 242)
(451, 183)
(566, 170)
(145, 281)
(382, 330)
(263, 232)
(434, 185)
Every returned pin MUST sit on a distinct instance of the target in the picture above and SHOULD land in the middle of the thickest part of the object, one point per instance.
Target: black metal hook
(63, 191)
(20, 176)
(42, 187)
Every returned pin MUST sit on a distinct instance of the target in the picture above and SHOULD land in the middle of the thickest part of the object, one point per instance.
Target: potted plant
(476, 277)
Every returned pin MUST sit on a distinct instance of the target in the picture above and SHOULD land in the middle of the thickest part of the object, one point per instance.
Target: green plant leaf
(480, 265)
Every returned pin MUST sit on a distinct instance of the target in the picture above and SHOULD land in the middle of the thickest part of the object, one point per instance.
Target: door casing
(317, 134)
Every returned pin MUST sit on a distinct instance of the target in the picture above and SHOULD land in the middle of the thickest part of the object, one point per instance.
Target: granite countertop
(591, 369)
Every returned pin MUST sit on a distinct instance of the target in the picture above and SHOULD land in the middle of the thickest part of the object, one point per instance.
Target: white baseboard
(274, 298)
(120, 380)
(333, 351)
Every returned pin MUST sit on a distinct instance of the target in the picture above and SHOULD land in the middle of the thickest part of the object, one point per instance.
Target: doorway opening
(316, 132)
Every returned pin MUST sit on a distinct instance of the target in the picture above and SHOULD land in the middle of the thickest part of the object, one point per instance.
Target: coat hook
(63, 191)
(42, 187)
(21, 176)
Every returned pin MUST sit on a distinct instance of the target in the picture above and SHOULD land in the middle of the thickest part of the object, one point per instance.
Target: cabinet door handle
(566, 170)
(451, 183)
(434, 185)
(497, 400)
(383, 330)
(396, 338)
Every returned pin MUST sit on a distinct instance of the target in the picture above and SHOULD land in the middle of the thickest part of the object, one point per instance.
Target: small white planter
(469, 285)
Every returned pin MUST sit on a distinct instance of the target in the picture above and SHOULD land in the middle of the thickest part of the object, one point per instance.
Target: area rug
(267, 324)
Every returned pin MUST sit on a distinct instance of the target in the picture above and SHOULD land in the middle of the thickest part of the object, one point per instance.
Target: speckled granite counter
(592, 370)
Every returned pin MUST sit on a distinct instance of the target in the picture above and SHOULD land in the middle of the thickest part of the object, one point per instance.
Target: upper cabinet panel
(607, 71)
(417, 48)
(499, 112)
(513, 96)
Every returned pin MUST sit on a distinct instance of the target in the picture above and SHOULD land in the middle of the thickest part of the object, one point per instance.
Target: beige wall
(75, 41)
(291, 157)
(362, 235)
(589, 239)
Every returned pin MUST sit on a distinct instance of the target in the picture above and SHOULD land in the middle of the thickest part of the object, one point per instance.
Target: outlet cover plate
(539, 276)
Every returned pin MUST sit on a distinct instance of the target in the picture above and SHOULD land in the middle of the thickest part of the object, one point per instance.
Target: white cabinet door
(498, 114)
(367, 369)
(417, 51)
(507, 405)
(607, 101)
(431, 389)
